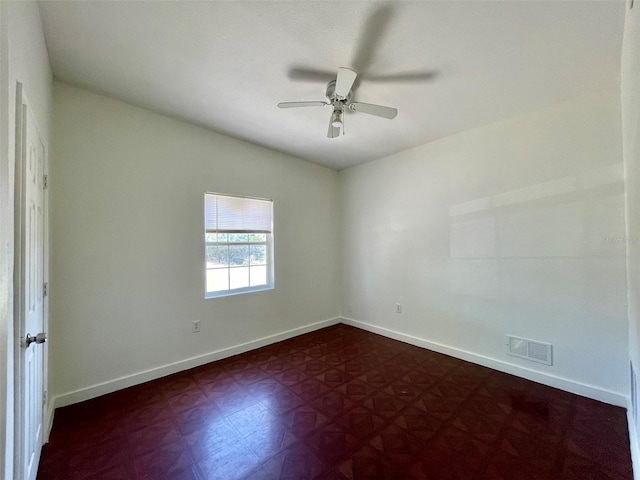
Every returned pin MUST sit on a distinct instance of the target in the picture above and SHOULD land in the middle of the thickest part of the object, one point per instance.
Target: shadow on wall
(560, 242)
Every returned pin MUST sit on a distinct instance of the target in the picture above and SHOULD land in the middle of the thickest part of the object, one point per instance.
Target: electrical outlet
(196, 326)
(398, 308)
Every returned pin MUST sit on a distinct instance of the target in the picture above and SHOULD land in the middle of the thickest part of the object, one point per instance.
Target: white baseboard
(154, 373)
(633, 441)
(607, 396)
(572, 386)
(49, 421)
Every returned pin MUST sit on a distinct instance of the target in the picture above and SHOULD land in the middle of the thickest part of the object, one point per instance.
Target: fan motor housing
(334, 99)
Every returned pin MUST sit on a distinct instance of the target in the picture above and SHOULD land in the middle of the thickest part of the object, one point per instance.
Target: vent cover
(531, 350)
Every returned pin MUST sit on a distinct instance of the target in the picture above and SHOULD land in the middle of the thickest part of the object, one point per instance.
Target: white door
(30, 286)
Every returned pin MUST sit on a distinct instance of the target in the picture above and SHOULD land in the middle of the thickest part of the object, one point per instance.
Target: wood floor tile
(339, 403)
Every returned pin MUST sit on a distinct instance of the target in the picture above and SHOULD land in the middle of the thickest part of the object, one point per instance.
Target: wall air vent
(531, 350)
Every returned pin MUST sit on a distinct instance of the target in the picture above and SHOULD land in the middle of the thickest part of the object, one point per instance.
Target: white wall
(630, 86)
(23, 58)
(128, 246)
(630, 90)
(6, 244)
(513, 228)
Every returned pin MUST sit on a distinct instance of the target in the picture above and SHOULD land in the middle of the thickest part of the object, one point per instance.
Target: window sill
(239, 291)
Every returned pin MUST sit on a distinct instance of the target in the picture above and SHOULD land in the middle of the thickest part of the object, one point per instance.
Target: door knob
(39, 338)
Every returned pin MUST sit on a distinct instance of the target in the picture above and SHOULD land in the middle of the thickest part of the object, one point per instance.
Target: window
(238, 244)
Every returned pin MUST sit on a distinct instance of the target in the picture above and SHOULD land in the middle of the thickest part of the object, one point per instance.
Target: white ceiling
(225, 65)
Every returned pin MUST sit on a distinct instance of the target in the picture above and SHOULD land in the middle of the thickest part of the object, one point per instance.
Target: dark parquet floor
(339, 403)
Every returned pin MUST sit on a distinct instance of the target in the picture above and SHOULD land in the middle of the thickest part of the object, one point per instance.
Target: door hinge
(45, 289)
(45, 181)
(44, 398)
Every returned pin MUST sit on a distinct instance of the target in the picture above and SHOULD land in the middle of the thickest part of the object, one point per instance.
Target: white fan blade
(333, 132)
(301, 104)
(377, 110)
(344, 82)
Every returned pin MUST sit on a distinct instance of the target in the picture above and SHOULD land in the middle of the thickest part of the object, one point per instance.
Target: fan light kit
(339, 95)
(336, 118)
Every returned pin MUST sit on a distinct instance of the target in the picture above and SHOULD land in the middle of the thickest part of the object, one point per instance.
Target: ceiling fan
(339, 95)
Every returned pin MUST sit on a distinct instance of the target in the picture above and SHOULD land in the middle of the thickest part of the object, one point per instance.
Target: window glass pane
(210, 237)
(258, 254)
(258, 276)
(257, 237)
(217, 279)
(238, 255)
(239, 277)
(217, 256)
(223, 237)
(238, 237)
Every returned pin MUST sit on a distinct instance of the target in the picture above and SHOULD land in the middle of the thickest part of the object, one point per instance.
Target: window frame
(269, 254)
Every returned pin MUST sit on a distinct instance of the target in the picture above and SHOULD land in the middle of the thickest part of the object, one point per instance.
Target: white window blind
(224, 213)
